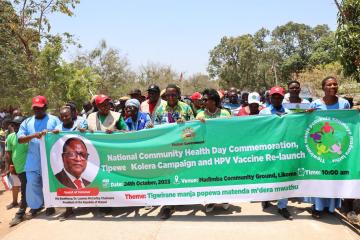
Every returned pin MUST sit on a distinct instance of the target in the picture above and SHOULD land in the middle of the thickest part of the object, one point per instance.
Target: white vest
(94, 123)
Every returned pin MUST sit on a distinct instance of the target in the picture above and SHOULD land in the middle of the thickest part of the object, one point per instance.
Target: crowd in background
(20, 144)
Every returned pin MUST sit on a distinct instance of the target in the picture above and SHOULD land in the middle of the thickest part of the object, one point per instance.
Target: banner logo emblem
(188, 133)
(328, 140)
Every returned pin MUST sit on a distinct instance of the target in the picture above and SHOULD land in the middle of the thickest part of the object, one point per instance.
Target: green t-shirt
(121, 125)
(18, 152)
(219, 114)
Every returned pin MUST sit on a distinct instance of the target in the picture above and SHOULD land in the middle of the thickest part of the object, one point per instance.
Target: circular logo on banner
(188, 133)
(328, 140)
(74, 161)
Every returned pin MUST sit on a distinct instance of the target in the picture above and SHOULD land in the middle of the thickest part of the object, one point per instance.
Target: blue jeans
(282, 203)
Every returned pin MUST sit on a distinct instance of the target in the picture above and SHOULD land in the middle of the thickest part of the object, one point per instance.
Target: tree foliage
(30, 57)
(31, 62)
(348, 37)
(264, 59)
(113, 69)
(234, 61)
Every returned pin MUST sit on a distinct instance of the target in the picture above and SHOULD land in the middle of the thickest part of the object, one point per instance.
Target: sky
(180, 33)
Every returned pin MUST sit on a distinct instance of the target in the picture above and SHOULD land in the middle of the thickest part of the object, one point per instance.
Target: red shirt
(243, 112)
(151, 107)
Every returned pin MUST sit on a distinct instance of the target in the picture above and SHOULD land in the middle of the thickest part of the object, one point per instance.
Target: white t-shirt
(286, 100)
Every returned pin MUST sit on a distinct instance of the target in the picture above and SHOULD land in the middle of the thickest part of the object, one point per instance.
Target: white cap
(254, 97)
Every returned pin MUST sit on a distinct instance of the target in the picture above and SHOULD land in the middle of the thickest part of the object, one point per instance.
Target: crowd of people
(21, 135)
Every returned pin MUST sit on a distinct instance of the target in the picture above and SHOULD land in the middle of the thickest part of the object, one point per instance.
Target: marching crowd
(21, 135)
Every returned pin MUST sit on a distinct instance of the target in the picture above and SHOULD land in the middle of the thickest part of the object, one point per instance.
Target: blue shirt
(30, 126)
(142, 121)
(64, 129)
(233, 107)
(320, 105)
(272, 110)
(80, 122)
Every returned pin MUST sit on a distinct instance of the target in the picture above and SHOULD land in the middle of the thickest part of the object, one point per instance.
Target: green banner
(222, 160)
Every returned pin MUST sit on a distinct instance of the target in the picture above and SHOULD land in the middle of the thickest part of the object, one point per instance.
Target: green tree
(348, 37)
(197, 83)
(265, 59)
(160, 75)
(268, 58)
(324, 47)
(113, 69)
(13, 71)
(82, 84)
(31, 26)
(28, 62)
(293, 41)
(233, 61)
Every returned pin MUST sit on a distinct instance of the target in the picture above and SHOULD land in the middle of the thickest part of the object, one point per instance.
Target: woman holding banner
(212, 109)
(212, 103)
(329, 102)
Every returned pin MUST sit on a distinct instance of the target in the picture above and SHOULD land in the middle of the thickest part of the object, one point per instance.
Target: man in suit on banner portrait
(74, 156)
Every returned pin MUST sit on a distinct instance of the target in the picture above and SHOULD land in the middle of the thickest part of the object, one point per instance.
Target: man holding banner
(276, 107)
(31, 131)
(173, 110)
(294, 102)
(170, 112)
(66, 176)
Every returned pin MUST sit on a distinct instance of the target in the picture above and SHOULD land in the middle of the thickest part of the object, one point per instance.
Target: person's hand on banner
(357, 108)
(37, 135)
(180, 120)
(108, 131)
(44, 132)
(56, 131)
(202, 120)
(310, 110)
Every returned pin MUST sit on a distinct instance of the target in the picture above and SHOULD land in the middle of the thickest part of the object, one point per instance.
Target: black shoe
(209, 207)
(34, 212)
(106, 210)
(265, 205)
(316, 214)
(166, 213)
(285, 213)
(15, 221)
(49, 211)
(68, 213)
(12, 205)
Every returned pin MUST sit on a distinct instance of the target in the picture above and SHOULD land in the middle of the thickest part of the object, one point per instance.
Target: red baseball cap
(38, 101)
(278, 90)
(101, 98)
(196, 96)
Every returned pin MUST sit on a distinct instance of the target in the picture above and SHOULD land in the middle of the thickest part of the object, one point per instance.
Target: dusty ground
(242, 220)
(5, 215)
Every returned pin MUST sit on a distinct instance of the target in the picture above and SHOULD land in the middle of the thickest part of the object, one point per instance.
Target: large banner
(222, 160)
